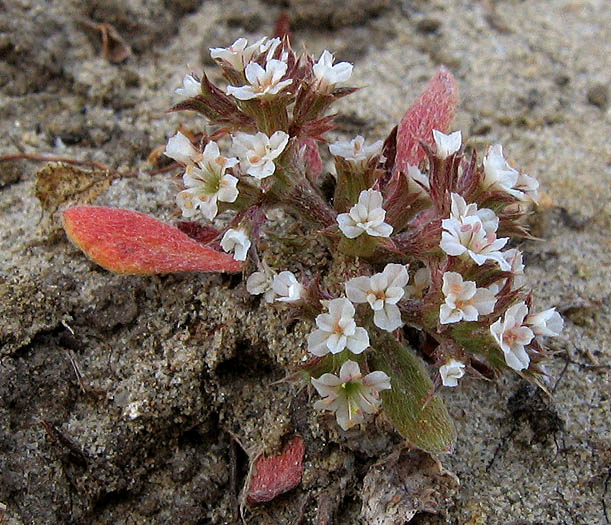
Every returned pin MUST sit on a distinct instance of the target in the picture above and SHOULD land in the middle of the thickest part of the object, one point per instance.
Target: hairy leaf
(274, 475)
(435, 109)
(424, 422)
(130, 242)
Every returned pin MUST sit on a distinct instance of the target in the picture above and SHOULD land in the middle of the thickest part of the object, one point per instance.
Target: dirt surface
(137, 400)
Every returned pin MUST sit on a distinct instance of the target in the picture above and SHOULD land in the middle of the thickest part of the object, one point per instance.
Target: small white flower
(238, 54)
(367, 216)
(514, 259)
(451, 372)
(471, 238)
(546, 323)
(447, 144)
(499, 175)
(207, 183)
(261, 283)
(460, 210)
(337, 330)
(270, 47)
(421, 281)
(182, 150)
(350, 395)
(257, 152)
(463, 300)
(355, 150)
(191, 87)
(472, 232)
(236, 241)
(262, 82)
(529, 186)
(512, 336)
(328, 75)
(287, 287)
(382, 291)
(418, 182)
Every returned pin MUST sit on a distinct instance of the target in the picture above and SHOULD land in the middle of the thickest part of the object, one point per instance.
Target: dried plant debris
(58, 185)
(404, 483)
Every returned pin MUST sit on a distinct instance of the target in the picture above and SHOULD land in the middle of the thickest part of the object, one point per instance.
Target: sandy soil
(176, 368)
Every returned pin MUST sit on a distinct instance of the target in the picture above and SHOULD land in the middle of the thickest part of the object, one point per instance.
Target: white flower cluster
(348, 395)
(239, 54)
(472, 233)
(265, 75)
(205, 177)
(513, 332)
(271, 79)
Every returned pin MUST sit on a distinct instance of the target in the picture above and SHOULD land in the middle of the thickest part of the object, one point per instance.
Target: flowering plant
(417, 230)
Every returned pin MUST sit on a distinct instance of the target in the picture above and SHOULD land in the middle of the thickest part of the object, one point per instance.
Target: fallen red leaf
(130, 242)
(435, 109)
(277, 474)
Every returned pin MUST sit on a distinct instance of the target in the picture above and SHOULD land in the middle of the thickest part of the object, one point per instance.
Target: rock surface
(121, 397)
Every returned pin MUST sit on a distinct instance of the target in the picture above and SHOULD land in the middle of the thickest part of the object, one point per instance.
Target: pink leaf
(312, 157)
(435, 109)
(130, 242)
(277, 474)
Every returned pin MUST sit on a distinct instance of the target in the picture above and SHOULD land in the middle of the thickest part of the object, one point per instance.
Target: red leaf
(130, 242)
(277, 474)
(435, 109)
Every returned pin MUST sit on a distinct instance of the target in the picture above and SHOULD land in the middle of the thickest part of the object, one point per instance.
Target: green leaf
(428, 428)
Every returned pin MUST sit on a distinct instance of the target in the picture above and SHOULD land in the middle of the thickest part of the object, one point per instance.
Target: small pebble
(598, 95)
(428, 25)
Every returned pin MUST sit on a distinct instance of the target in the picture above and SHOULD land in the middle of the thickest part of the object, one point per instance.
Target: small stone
(562, 80)
(598, 95)
(428, 25)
